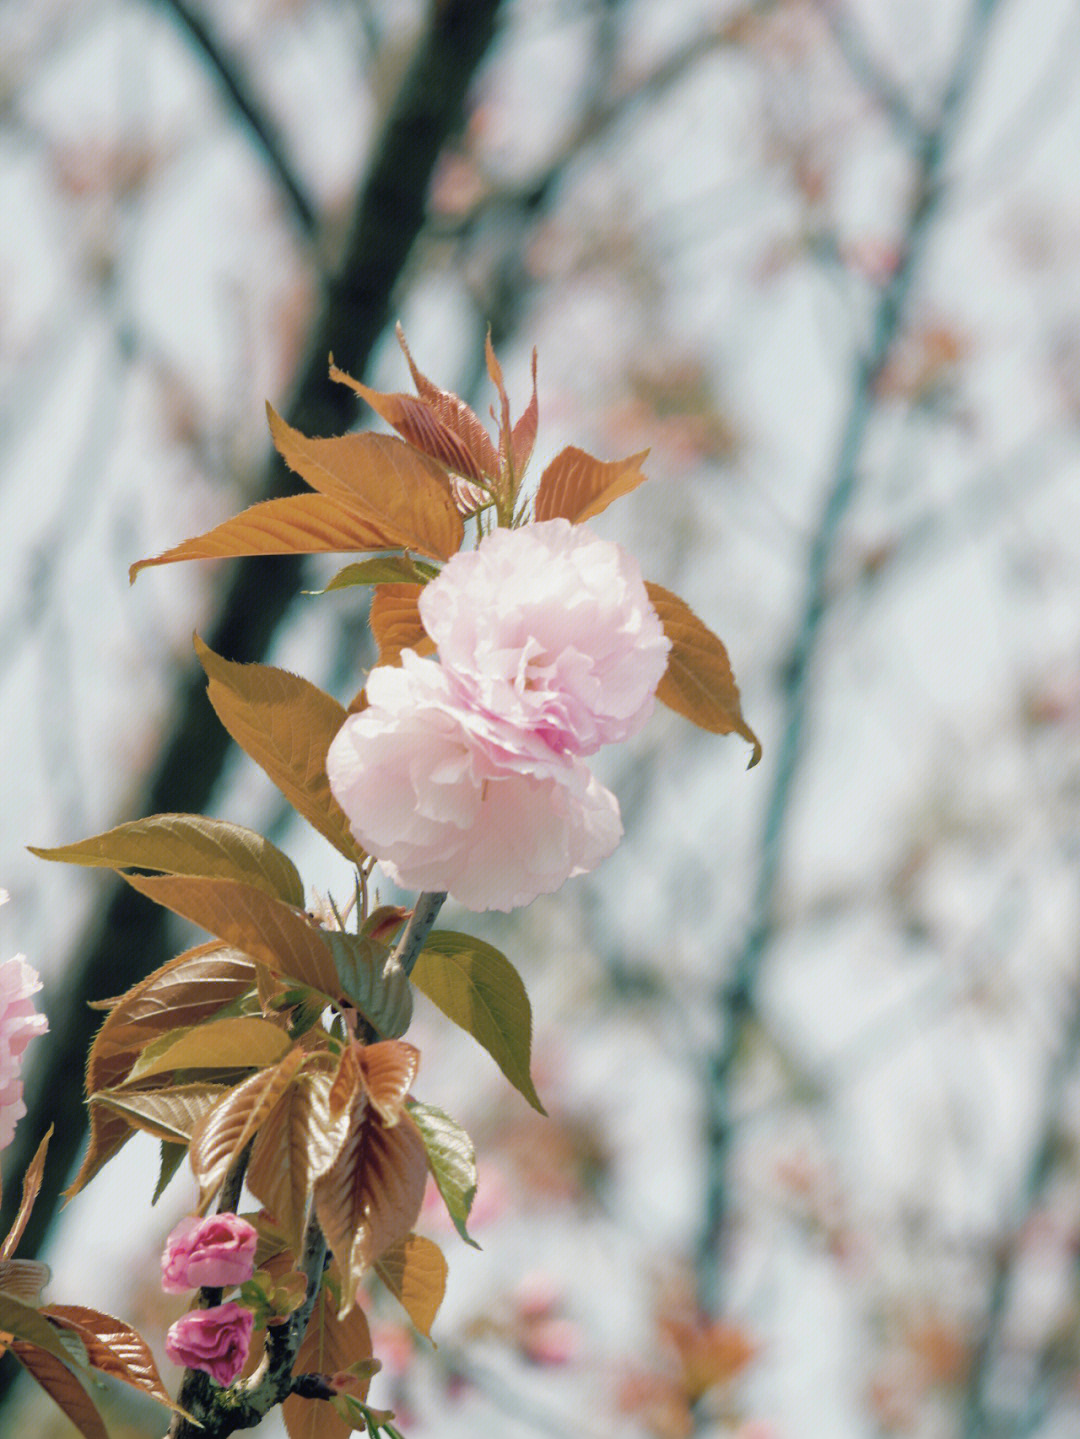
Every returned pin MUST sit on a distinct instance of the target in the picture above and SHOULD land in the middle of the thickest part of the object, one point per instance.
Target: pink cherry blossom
(451, 795)
(218, 1251)
(551, 627)
(214, 1340)
(19, 1024)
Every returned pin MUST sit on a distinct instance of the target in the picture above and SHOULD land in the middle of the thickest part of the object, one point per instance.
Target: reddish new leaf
(219, 1137)
(419, 424)
(371, 1196)
(414, 1270)
(698, 683)
(281, 937)
(386, 482)
(185, 991)
(523, 435)
(293, 525)
(62, 1387)
(114, 1348)
(457, 417)
(576, 486)
(388, 1069)
(297, 1143)
(396, 624)
(168, 1114)
(285, 724)
(330, 1346)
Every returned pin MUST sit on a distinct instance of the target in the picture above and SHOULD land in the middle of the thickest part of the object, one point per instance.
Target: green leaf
(172, 1156)
(220, 1044)
(188, 844)
(382, 570)
(476, 986)
(452, 1158)
(23, 1321)
(379, 989)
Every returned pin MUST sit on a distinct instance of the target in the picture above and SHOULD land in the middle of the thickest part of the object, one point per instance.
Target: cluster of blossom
(217, 1252)
(19, 1024)
(468, 775)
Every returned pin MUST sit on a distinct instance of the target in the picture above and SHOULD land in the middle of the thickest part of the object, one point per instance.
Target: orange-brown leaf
(370, 1197)
(63, 1388)
(31, 1185)
(188, 989)
(389, 1069)
(414, 1270)
(330, 1345)
(24, 1278)
(170, 1114)
(285, 724)
(523, 435)
(698, 683)
(281, 937)
(292, 525)
(385, 481)
(113, 1347)
(219, 1136)
(576, 485)
(395, 622)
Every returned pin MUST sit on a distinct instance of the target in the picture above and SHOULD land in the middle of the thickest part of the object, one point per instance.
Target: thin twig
(425, 912)
(734, 999)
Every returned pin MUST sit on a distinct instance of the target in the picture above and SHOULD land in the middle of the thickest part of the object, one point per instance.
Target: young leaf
(417, 423)
(31, 1185)
(383, 570)
(114, 1348)
(385, 481)
(396, 624)
(188, 989)
(236, 1043)
(379, 989)
(371, 1195)
(281, 937)
(172, 1156)
(453, 1162)
(285, 724)
(24, 1279)
(188, 844)
(576, 486)
(25, 1322)
(414, 1271)
(699, 683)
(478, 988)
(388, 1070)
(457, 417)
(296, 1143)
(168, 1114)
(219, 1136)
(330, 1346)
(63, 1387)
(292, 525)
(523, 435)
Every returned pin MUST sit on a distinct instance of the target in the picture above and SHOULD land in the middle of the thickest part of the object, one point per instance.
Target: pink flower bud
(218, 1251)
(214, 1340)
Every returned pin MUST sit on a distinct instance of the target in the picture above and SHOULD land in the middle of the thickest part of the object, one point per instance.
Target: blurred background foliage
(809, 1041)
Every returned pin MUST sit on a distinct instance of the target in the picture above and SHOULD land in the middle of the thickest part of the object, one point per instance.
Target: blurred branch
(734, 1000)
(977, 1422)
(876, 82)
(130, 937)
(234, 86)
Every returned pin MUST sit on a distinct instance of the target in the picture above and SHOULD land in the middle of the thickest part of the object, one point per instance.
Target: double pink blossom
(218, 1252)
(19, 1024)
(214, 1340)
(467, 775)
